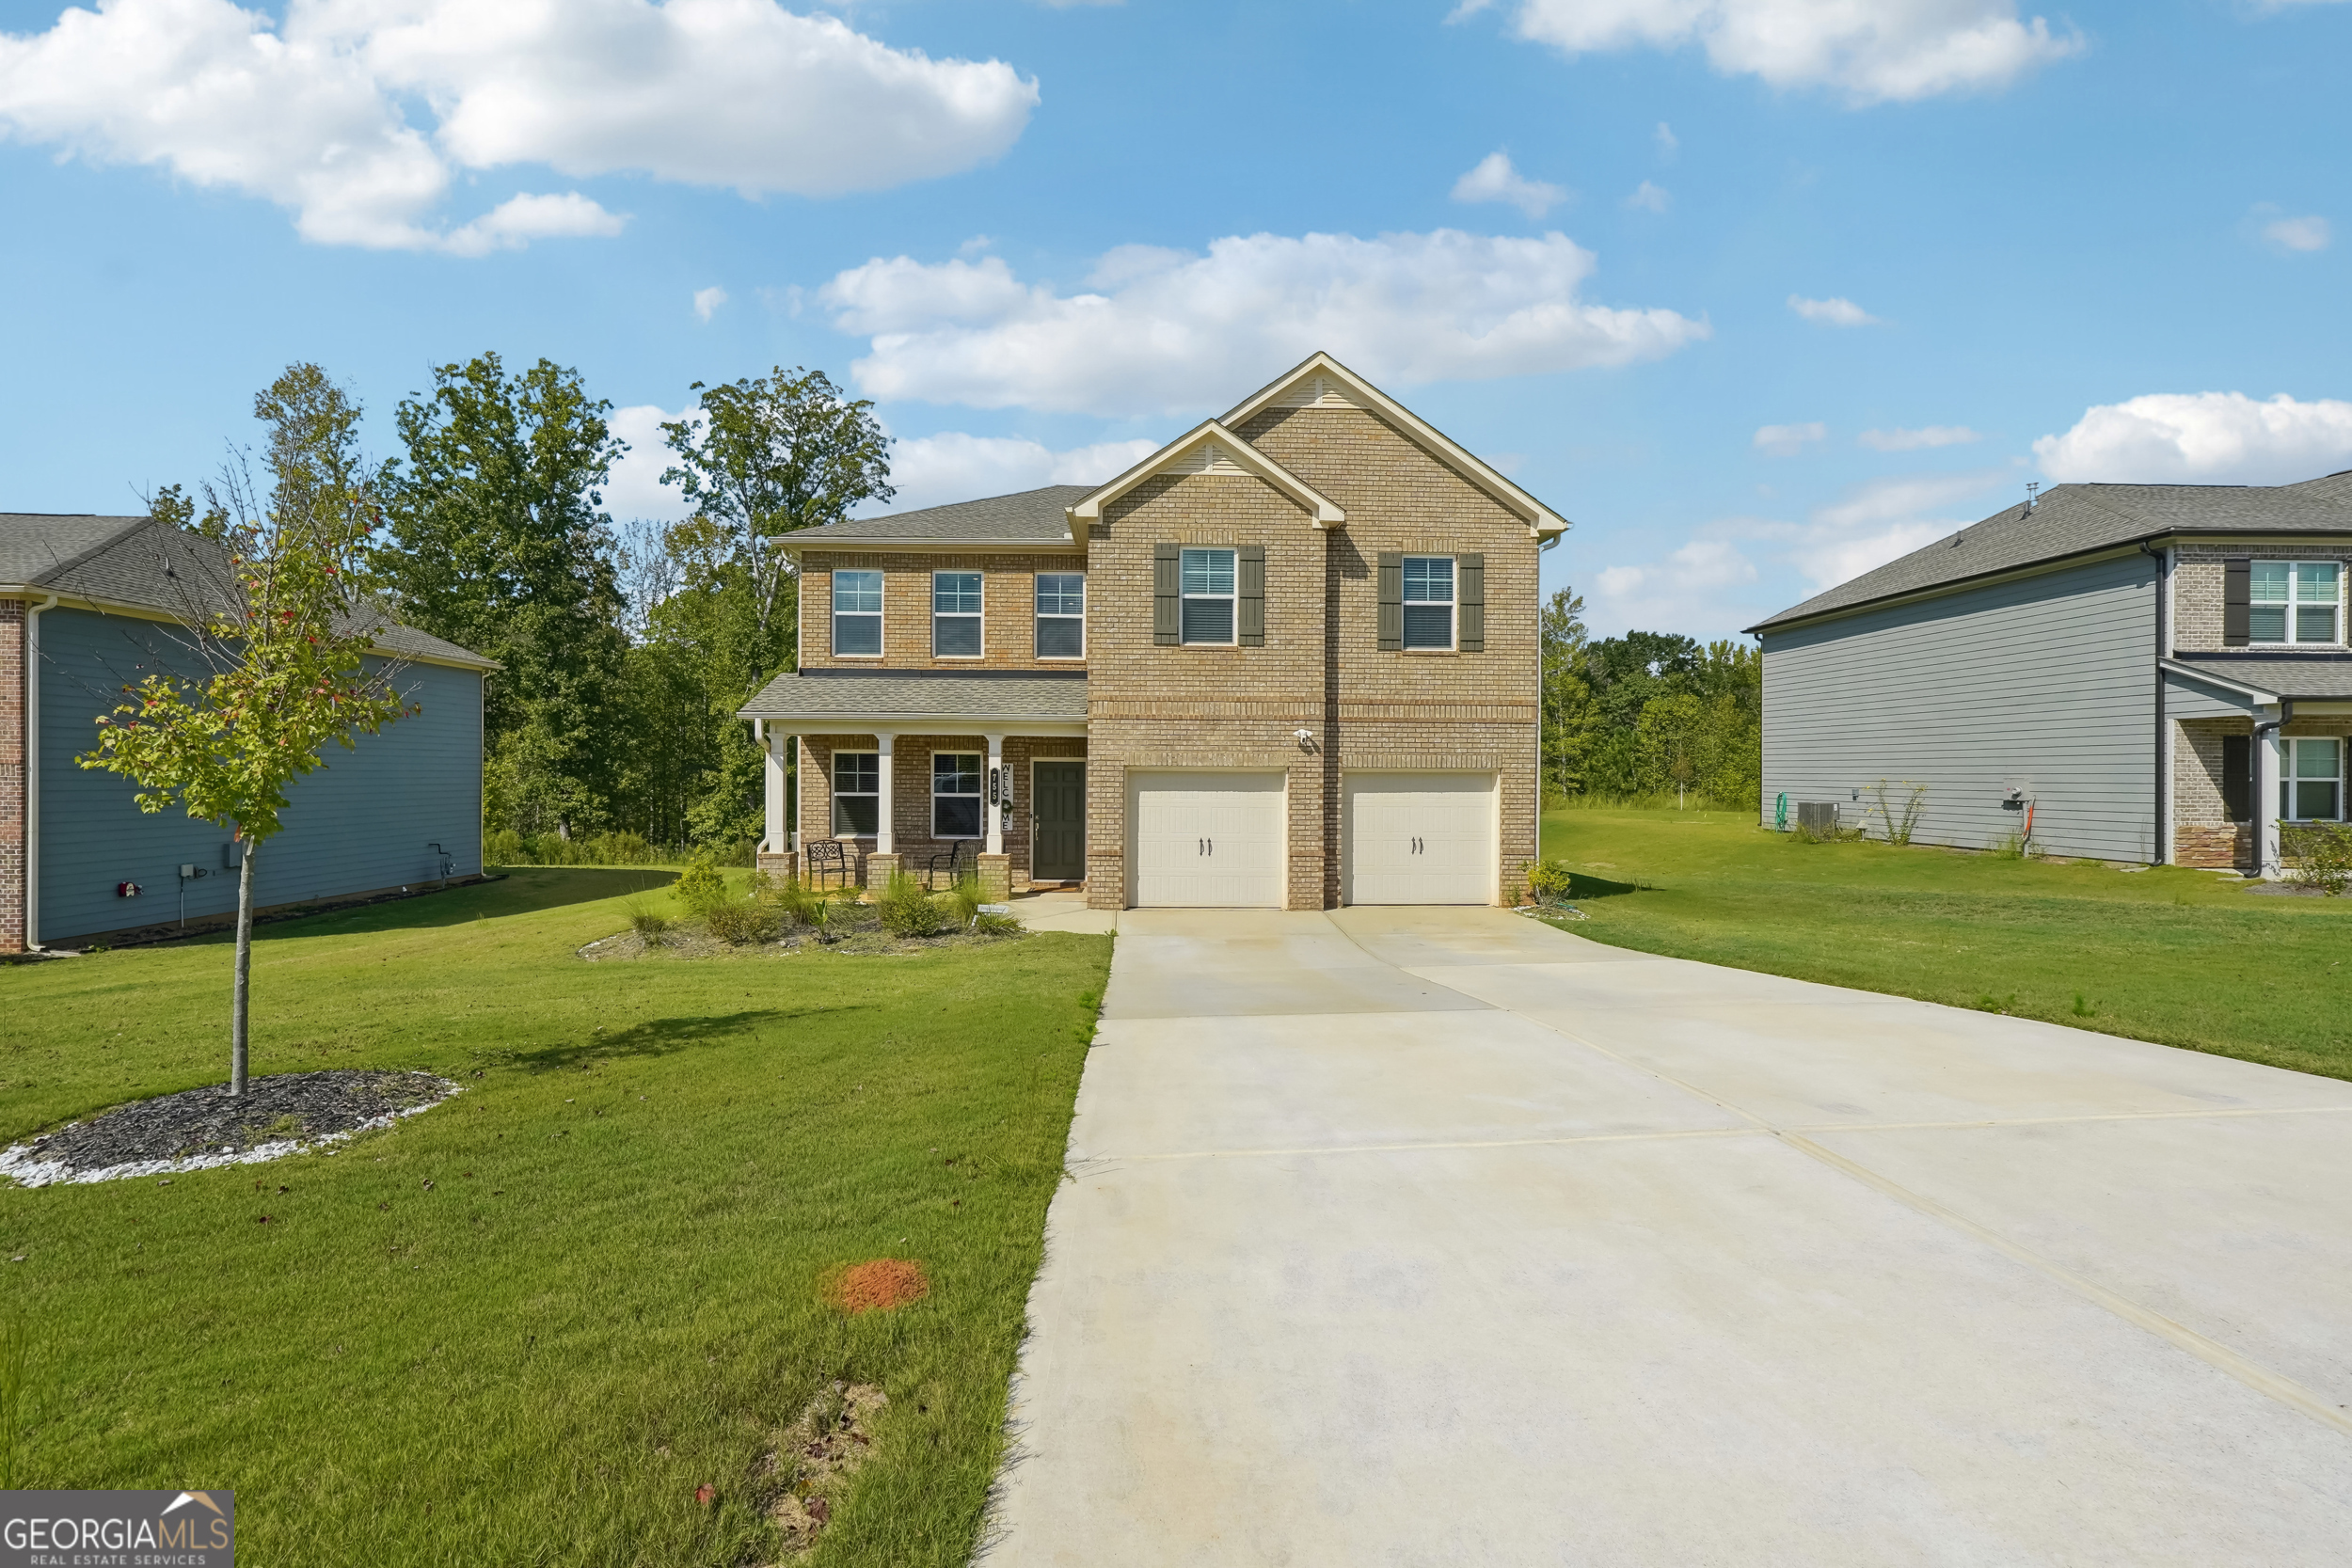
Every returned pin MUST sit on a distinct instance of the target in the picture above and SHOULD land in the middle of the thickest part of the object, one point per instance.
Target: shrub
(907, 909)
(503, 847)
(996, 925)
(1901, 821)
(699, 887)
(2323, 855)
(1550, 882)
(963, 899)
(650, 924)
(742, 922)
(792, 899)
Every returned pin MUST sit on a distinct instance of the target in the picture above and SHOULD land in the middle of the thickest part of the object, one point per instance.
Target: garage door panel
(1420, 838)
(1207, 840)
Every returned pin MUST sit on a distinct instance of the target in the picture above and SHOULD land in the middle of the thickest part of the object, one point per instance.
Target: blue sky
(1758, 293)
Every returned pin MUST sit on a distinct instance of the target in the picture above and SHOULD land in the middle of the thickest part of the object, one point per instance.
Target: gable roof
(1025, 519)
(2082, 519)
(1320, 381)
(140, 563)
(1219, 450)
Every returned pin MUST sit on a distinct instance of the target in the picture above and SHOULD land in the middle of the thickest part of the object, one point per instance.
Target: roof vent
(2032, 497)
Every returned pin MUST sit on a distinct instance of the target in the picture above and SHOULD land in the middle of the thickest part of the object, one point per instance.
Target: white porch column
(883, 768)
(995, 809)
(773, 745)
(2267, 750)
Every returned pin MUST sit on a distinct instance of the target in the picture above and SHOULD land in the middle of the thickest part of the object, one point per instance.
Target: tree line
(1650, 714)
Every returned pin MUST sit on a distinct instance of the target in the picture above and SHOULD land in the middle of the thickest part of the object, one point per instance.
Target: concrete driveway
(1413, 1235)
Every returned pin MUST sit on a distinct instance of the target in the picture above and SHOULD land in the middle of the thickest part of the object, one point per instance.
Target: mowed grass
(2180, 957)
(609, 1295)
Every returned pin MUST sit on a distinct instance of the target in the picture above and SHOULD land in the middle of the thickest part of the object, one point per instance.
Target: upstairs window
(858, 613)
(956, 794)
(955, 614)
(1208, 596)
(2311, 779)
(2294, 601)
(856, 794)
(1061, 615)
(1429, 601)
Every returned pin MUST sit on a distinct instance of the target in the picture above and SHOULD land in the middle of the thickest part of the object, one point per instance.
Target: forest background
(626, 646)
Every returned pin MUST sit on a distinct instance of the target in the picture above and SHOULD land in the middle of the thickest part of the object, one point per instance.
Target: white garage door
(1421, 838)
(1206, 840)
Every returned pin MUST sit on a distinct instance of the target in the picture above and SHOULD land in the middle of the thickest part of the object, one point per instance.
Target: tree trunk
(241, 993)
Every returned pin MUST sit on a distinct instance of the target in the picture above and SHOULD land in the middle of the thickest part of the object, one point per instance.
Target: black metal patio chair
(823, 858)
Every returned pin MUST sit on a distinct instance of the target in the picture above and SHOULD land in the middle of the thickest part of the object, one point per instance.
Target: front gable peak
(1212, 448)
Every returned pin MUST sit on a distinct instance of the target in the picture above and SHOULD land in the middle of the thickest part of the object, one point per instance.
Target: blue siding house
(84, 609)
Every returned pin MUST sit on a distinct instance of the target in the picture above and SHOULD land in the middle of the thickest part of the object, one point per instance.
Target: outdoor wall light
(1306, 740)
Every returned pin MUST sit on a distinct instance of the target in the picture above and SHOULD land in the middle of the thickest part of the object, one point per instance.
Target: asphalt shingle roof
(853, 695)
(2073, 520)
(138, 561)
(1026, 515)
(2314, 677)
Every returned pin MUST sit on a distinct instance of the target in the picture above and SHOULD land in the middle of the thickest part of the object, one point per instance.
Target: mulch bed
(855, 928)
(197, 1128)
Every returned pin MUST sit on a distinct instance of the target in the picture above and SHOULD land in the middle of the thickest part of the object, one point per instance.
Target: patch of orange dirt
(879, 1285)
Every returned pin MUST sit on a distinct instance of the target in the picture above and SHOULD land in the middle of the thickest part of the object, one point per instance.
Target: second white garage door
(1206, 840)
(1421, 838)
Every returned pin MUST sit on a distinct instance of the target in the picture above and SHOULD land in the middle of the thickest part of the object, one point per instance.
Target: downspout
(32, 771)
(2160, 804)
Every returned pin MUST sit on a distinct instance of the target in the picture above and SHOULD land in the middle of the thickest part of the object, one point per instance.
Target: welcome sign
(117, 1529)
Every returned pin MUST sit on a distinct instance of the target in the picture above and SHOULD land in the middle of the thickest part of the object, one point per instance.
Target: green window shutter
(1251, 598)
(1470, 603)
(2237, 603)
(1391, 599)
(1166, 583)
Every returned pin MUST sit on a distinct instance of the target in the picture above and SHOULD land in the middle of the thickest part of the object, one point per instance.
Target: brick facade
(14, 861)
(1007, 608)
(911, 795)
(2197, 574)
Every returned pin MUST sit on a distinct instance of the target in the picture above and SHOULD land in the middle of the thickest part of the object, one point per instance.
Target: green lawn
(2180, 957)
(609, 1294)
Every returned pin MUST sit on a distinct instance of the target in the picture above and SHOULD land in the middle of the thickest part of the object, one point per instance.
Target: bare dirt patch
(810, 1466)
(878, 1286)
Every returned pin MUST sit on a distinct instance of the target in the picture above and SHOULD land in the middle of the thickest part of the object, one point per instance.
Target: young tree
(1568, 715)
(275, 608)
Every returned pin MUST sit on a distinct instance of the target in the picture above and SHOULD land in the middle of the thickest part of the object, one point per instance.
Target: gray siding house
(2136, 673)
(85, 609)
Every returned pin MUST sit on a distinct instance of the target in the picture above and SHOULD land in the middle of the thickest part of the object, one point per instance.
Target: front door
(1058, 852)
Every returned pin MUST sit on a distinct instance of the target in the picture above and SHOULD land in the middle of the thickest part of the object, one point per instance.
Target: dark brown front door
(1057, 850)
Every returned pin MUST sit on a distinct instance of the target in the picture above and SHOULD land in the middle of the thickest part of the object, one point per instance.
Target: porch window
(955, 614)
(857, 613)
(856, 793)
(2310, 784)
(2294, 601)
(956, 794)
(1429, 601)
(1208, 593)
(1061, 615)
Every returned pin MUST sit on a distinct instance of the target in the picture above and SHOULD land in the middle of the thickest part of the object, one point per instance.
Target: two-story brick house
(1290, 660)
(2141, 673)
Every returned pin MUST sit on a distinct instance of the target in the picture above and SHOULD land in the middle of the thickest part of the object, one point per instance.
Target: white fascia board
(1325, 512)
(1542, 522)
(913, 723)
(2254, 695)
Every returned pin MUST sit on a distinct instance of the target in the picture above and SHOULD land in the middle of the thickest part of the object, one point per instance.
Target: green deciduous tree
(276, 607)
(1652, 713)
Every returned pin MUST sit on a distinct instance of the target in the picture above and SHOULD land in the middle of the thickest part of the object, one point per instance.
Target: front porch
(2248, 765)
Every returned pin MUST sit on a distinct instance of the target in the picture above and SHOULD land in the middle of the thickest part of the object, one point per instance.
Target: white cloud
(1495, 180)
(634, 489)
(1650, 196)
(1667, 140)
(932, 471)
(1832, 312)
(2304, 234)
(1163, 331)
(2202, 438)
(1787, 440)
(1681, 591)
(313, 114)
(1870, 525)
(1832, 560)
(706, 301)
(1920, 440)
(1879, 52)
(1888, 500)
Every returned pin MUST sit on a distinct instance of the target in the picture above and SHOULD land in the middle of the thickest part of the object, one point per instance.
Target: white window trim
(980, 616)
(834, 796)
(1038, 617)
(980, 796)
(2292, 604)
(1453, 605)
(882, 616)
(1232, 599)
(2289, 776)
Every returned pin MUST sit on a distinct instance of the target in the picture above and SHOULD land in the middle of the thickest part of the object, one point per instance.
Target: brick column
(880, 868)
(786, 865)
(13, 859)
(995, 879)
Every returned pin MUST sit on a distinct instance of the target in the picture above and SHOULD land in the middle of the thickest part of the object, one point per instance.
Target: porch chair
(822, 857)
(957, 858)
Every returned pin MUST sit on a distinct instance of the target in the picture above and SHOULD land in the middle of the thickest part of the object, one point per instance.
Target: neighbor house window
(1429, 601)
(1208, 590)
(1061, 614)
(2294, 601)
(856, 794)
(956, 794)
(955, 614)
(2310, 784)
(858, 613)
